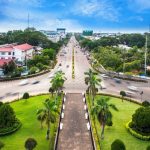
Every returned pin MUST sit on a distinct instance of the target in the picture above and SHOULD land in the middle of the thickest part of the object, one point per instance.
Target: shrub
(9, 130)
(7, 116)
(1, 145)
(148, 147)
(40, 66)
(33, 70)
(30, 144)
(1, 103)
(118, 145)
(136, 134)
(141, 120)
(26, 95)
(145, 104)
(8, 121)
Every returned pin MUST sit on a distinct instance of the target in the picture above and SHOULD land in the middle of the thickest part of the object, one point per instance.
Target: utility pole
(28, 20)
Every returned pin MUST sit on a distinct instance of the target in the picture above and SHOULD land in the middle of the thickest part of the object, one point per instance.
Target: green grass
(26, 113)
(118, 130)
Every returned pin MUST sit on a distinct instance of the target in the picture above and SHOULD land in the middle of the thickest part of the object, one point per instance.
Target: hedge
(15, 127)
(137, 135)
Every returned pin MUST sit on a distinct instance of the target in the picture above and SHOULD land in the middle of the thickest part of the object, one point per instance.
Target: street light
(146, 56)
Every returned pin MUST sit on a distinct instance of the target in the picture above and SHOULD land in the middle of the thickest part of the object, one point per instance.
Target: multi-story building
(19, 53)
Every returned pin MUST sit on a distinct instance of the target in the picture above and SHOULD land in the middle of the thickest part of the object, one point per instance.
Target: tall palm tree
(102, 112)
(49, 114)
(58, 82)
(92, 81)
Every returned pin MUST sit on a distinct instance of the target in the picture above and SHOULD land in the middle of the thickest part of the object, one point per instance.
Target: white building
(16, 52)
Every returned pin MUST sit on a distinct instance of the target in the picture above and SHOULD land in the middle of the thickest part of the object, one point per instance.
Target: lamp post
(146, 56)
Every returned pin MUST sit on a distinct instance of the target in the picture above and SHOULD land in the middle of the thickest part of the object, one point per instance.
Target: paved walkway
(74, 135)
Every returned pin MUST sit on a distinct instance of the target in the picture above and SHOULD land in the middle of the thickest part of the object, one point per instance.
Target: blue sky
(76, 15)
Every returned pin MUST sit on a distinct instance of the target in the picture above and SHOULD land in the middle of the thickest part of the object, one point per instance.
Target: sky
(76, 15)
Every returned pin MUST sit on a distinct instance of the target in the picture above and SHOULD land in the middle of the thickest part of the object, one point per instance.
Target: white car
(133, 88)
(51, 76)
(104, 76)
(24, 82)
(102, 85)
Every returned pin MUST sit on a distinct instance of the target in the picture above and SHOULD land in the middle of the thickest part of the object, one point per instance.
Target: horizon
(98, 15)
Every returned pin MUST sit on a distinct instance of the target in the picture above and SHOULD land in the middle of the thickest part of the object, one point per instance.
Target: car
(102, 85)
(117, 80)
(133, 88)
(35, 82)
(51, 76)
(129, 93)
(104, 76)
(24, 82)
(67, 66)
(60, 64)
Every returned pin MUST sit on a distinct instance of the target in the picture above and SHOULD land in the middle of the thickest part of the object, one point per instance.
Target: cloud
(96, 8)
(139, 5)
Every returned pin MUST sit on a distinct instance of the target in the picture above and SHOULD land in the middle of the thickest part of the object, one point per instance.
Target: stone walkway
(74, 135)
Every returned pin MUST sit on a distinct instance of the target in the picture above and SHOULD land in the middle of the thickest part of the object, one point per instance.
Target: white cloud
(34, 3)
(95, 8)
(139, 5)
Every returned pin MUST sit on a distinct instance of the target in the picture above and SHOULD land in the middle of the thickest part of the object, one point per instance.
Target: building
(55, 36)
(61, 30)
(19, 53)
(87, 33)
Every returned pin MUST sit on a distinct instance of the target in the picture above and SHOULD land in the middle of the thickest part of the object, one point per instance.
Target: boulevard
(11, 90)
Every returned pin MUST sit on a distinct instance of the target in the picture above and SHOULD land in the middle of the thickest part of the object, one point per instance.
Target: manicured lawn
(118, 130)
(26, 112)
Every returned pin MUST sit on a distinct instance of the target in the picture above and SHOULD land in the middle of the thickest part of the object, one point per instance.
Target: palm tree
(92, 81)
(49, 114)
(58, 82)
(41, 117)
(101, 110)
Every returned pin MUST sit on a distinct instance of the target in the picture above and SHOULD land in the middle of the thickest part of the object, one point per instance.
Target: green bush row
(137, 135)
(15, 127)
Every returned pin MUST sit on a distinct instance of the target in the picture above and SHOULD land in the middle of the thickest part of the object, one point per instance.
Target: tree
(123, 94)
(9, 67)
(148, 147)
(58, 82)
(41, 117)
(49, 114)
(146, 104)
(1, 145)
(104, 115)
(26, 95)
(30, 144)
(7, 116)
(33, 70)
(141, 120)
(92, 81)
(51, 90)
(118, 145)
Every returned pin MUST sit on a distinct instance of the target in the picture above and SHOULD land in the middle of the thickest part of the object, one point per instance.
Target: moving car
(133, 88)
(24, 82)
(35, 82)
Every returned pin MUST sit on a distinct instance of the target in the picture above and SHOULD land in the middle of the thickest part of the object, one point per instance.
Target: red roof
(2, 61)
(23, 47)
(6, 49)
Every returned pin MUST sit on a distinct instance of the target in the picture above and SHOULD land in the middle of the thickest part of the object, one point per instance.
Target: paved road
(11, 90)
(74, 135)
